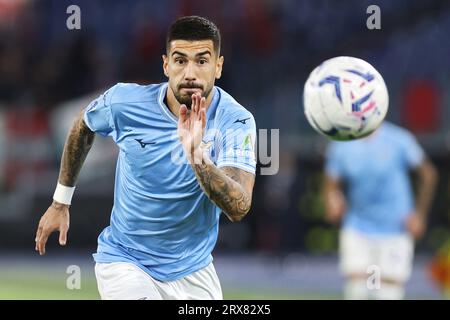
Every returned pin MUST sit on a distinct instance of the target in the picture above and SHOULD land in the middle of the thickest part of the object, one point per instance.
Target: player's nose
(189, 74)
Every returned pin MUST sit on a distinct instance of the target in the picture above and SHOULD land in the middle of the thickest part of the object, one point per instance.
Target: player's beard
(186, 99)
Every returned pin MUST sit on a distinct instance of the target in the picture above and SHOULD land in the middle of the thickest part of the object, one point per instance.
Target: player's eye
(179, 61)
(202, 61)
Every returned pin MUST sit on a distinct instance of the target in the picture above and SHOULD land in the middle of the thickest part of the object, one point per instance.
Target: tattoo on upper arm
(76, 148)
(230, 188)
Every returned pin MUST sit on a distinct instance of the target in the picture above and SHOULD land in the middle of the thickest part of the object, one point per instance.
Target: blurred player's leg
(354, 254)
(395, 254)
(390, 291)
(124, 281)
(356, 288)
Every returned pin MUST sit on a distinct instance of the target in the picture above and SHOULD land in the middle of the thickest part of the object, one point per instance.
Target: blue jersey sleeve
(333, 163)
(237, 142)
(98, 116)
(413, 152)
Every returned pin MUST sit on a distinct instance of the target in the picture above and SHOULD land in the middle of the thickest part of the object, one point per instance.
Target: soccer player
(186, 154)
(381, 217)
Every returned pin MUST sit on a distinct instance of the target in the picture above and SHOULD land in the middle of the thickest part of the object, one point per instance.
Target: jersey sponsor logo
(144, 144)
(242, 120)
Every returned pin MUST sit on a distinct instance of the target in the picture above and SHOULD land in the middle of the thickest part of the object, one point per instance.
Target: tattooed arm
(76, 148)
(78, 143)
(229, 188)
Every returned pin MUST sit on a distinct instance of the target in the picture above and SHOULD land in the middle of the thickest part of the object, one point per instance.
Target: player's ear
(165, 65)
(219, 66)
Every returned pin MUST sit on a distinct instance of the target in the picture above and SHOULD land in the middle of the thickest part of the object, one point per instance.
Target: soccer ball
(345, 98)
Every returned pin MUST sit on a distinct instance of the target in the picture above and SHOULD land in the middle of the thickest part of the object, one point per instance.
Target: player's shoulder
(229, 109)
(396, 133)
(123, 92)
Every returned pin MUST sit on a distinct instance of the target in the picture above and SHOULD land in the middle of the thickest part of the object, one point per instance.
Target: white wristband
(63, 194)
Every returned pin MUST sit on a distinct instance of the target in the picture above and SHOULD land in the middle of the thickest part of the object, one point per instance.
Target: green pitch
(44, 283)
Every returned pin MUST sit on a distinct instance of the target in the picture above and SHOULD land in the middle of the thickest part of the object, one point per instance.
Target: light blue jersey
(161, 220)
(376, 172)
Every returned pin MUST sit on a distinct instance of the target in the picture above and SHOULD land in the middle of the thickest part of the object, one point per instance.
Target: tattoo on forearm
(229, 188)
(78, 144)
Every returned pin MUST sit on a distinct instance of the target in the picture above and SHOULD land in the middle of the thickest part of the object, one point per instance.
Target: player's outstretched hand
(191, 127)
(55, 218)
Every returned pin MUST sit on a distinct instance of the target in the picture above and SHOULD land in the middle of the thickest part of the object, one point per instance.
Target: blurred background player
(367, 185)
(186, 154)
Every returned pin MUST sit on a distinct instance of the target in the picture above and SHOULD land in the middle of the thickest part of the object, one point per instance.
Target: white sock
(389, 291)
(356, 289)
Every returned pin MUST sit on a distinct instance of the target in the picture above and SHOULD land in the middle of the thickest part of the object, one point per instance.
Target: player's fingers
(38, 235)
(203, 117)
(194, 104)
(202, 103)
(183, 109)
(200, 106)
(197, 105)
(63, 235)
(43, 240)
(182, 114)
(41, 244)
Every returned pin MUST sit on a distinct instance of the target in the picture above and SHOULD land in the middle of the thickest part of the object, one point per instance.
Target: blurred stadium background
(283, 249)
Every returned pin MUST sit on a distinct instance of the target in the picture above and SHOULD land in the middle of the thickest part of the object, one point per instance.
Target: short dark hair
(193, 28)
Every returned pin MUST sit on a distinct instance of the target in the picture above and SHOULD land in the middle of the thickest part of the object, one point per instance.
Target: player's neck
(174, 106)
